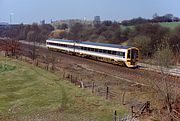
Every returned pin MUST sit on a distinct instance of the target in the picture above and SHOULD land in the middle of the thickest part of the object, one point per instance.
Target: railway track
(141, 76)
(174, 71)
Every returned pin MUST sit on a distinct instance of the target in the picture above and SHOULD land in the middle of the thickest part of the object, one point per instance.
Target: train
(112, 53)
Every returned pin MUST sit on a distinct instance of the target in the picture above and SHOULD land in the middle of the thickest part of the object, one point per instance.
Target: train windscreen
(134, 54)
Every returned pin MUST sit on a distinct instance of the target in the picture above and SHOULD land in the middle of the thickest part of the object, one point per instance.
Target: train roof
(95, 43)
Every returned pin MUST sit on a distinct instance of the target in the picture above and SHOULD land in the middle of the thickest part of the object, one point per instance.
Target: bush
(163, 56)
(142, 42)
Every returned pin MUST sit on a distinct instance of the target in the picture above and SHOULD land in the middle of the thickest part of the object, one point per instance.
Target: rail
(174, 71)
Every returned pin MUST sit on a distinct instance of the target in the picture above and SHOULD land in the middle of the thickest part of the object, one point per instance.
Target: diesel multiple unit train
(113, 53)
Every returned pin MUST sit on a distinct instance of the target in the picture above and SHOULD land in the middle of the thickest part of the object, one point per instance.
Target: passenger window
(109, 52)
(114, 52)
(92, 49)
(105, 51)
(122, 54)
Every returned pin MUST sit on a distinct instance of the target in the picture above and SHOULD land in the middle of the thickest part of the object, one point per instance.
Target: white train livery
(113, 53)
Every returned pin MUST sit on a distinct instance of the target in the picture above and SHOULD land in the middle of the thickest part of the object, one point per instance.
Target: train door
(128, 61)
(132, 57)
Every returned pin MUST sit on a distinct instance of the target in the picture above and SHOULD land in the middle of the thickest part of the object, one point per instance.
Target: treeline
(147, 37)
(27, 32)
(156, 19)
(107, 31)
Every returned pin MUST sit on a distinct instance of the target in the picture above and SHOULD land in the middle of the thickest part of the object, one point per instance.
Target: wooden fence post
(71, 78)
(148, 106)
(75, 80)
(107, 92)
(64, 75)
(119, 118)
(92, 86)
(115, 115)
(82, 85)
(132, 110)
(123, 98)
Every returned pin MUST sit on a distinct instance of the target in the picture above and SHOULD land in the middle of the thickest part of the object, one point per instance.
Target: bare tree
(46, 61)
(165, 87)
(54, 60)
(51, 60)
(11, 47)
(32, 37)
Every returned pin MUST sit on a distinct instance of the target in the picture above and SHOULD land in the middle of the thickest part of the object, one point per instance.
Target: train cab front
(132, 57)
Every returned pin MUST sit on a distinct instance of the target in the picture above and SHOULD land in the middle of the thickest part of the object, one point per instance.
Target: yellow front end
(132, 57)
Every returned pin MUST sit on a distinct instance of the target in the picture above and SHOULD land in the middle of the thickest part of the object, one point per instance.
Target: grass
(29, 93)
(125, 27)
(6, 67)
(171, 25)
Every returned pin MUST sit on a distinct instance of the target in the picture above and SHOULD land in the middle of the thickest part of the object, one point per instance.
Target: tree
(164, 87)
(50, 59)
(107, 23)
(32, 36)
(100, 29)
(175, 43)
(176, 19)
(169, 17)
(21, 30)
(75, 31)
(115, 25)
(117, 35)
(93, 37)
(25, 32)
(126, 32)
(63, 26)
(58, 34)
(165, 18)
(143, 43)
(101, 39)
(163, 55)
(153, 31)
(108, 34)
(175, 39)
(134, 21)
(11, 47)
(34, 27)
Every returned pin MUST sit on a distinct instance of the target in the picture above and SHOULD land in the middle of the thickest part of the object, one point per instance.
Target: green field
(30, 93)
(126, 27)
(171, 25)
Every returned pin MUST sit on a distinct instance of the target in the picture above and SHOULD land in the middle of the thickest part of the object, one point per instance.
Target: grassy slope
(171, 25)
(27, 91)
(125, 27)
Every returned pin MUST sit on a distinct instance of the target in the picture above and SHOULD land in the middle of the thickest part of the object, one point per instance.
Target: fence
(102, 91)
(124, 118)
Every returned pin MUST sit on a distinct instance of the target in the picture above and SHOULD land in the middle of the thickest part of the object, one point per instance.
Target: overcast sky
(29, 11)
